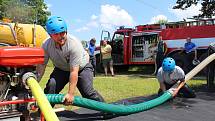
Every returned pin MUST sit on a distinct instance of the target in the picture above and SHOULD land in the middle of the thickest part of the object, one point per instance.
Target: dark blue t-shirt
(91, 48)
(189, 46)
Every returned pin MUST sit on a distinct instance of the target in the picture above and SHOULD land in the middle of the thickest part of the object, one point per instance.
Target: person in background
(70, 63)
(168, 75)
(106, 57)
(85, 45)
(160, 55)
(91, 50)
(189, 47)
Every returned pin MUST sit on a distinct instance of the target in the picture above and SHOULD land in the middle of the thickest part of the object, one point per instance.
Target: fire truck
(137, 46)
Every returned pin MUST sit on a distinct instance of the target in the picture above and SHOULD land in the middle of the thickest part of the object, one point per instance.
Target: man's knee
(52, 82)
(93, 94)
(96, 96)
(187, 92)
(51, 86)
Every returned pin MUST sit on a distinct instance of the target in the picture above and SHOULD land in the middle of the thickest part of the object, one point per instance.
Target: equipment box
(21, 56)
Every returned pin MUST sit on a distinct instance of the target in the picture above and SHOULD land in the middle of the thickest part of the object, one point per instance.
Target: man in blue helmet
(169, 74)
(71, 63)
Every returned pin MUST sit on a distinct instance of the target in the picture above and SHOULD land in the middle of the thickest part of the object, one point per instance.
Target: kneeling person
(169, 74)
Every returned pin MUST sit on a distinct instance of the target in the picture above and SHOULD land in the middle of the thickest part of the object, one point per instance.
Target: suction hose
(41, 99)
(111, 108)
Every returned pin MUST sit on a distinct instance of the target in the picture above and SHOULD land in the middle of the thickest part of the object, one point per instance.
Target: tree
(161, 21)
(24, 11)
(208, 7)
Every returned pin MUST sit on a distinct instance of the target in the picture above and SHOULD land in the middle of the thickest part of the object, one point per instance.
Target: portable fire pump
(19, 56)
(16, 100)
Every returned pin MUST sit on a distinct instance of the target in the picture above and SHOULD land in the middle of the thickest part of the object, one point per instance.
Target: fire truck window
(170, 26)
(194, 23)
(118, 37)
(188, 24)
(176, 26)
(118, 43)
(201, 23)
(209, 22)
(117, 47)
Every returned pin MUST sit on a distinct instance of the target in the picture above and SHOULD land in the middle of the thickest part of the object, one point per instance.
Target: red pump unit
(16, 99)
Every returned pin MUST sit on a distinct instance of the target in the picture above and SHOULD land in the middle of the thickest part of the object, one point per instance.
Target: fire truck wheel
(201, 58)
(99, 67)
(181, 61)
(122, 68)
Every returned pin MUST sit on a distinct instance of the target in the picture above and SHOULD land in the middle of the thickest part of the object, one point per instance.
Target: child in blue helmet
(71, 63)
(169, 74)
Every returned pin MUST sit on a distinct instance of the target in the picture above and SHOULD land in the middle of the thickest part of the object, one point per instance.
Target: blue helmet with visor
(168, 64)
(56, 24)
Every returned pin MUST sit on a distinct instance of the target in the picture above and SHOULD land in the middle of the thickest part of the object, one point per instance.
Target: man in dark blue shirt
(189, 47)
(91, 50)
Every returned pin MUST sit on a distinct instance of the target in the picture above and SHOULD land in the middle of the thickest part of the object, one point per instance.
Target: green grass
(122, 86)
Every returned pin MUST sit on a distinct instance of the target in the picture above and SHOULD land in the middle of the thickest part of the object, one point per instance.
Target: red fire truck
(137, 46)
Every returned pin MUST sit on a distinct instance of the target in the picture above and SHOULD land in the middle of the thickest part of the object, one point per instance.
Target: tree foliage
(208, 7)
(161, 21)
(24, 11)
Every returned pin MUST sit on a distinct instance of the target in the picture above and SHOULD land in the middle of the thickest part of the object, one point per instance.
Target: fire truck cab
(138, 46)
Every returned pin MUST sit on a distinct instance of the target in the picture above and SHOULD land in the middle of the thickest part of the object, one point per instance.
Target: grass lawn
(122, 86)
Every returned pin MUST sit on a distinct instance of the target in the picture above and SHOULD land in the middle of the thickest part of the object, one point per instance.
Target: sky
(87, 18)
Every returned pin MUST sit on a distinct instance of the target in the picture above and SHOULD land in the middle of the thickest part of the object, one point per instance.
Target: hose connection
(174, 88)
(26, 76)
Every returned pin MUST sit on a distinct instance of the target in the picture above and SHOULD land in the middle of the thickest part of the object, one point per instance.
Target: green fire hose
(111, 108)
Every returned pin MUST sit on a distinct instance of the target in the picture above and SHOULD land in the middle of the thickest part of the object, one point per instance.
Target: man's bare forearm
(73, 80)
(162, 86)
(40, 71)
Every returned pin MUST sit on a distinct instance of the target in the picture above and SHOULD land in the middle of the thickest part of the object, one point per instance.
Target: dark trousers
(93, 62)
(59, 78)
(185, 91)
(159, 60)
(190, 57)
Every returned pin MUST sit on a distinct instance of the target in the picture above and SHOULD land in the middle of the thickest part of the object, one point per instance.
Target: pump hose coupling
(26, 76)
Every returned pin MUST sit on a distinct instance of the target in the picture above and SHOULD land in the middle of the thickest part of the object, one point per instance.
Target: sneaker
(196, 62)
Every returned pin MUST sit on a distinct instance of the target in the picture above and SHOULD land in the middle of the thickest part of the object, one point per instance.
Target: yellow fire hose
(42, 101)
